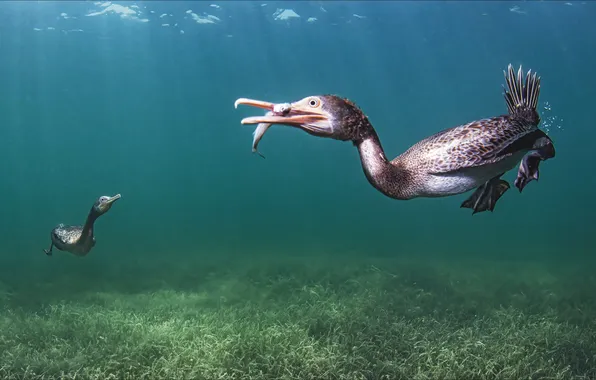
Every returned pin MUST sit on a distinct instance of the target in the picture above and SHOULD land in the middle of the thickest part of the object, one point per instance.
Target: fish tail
(522, 97)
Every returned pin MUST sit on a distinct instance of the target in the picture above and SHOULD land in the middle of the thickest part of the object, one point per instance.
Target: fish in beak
(258, 135)
(307, 114)
(293, 114)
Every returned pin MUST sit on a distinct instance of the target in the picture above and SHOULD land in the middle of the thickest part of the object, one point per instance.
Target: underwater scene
(297, 190)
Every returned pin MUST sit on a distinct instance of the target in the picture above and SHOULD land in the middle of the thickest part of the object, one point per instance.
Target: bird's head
(321, 115)
(104, 203)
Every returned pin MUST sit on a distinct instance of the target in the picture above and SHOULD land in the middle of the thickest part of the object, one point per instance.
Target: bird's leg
(486, 196)
(49, 251)
(528, 168)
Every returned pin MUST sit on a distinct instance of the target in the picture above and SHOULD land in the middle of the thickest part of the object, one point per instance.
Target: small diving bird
(79, 240)
(453, 161)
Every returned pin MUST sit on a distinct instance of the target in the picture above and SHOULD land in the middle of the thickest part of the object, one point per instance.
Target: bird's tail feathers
(522, 96)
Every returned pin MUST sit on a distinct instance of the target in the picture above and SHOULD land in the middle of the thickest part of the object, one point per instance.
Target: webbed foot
(528, 168)
(48, 252)
(486, 196)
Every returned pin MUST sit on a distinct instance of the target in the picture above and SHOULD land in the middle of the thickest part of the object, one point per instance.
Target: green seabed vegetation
(313, 318)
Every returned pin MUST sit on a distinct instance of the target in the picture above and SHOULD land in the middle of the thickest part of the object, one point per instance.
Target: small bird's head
(104, 203)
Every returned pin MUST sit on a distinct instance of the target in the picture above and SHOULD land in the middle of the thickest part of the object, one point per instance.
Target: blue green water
(140, 109)
(102, 104)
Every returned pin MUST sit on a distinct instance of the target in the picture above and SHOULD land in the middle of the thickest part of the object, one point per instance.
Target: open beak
(282, 113)
(113, 199)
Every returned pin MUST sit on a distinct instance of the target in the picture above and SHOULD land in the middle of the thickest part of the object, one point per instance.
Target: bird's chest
(81, 247)
(446, 185)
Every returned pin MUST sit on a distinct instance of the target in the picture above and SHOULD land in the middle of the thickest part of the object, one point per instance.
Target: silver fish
(278, 109)
(258, 135)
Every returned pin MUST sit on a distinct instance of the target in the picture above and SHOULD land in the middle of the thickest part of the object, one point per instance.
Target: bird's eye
(103, 199)
(314, 102)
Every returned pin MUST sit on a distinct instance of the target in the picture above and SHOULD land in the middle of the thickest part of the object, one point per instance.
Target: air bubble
(550, 122)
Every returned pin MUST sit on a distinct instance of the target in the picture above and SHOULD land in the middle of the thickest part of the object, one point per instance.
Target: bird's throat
(389, 179)
(88, 227)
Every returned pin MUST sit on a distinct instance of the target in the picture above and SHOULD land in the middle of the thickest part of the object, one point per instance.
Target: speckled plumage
(475, 144)
(68, 238)
(79, 240)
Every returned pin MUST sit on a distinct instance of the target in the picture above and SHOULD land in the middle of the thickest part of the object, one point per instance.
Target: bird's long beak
(113, 199)
(281, 113)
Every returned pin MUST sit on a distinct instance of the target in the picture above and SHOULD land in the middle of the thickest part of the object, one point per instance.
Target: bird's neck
(88, 227)
(391, 180)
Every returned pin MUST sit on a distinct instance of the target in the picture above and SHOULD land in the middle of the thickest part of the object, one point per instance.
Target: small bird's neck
(89, 223)
(389, 179)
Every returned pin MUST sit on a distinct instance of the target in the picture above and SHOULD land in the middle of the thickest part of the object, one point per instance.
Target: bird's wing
(475, 144)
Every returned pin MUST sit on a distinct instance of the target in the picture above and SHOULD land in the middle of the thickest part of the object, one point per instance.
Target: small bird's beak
(113, 199)
(282, 113)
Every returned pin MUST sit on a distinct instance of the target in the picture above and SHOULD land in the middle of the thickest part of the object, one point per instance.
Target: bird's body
(462, 158)
(470, 156)
(423, 183)
(70, 239)
(79, 240)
